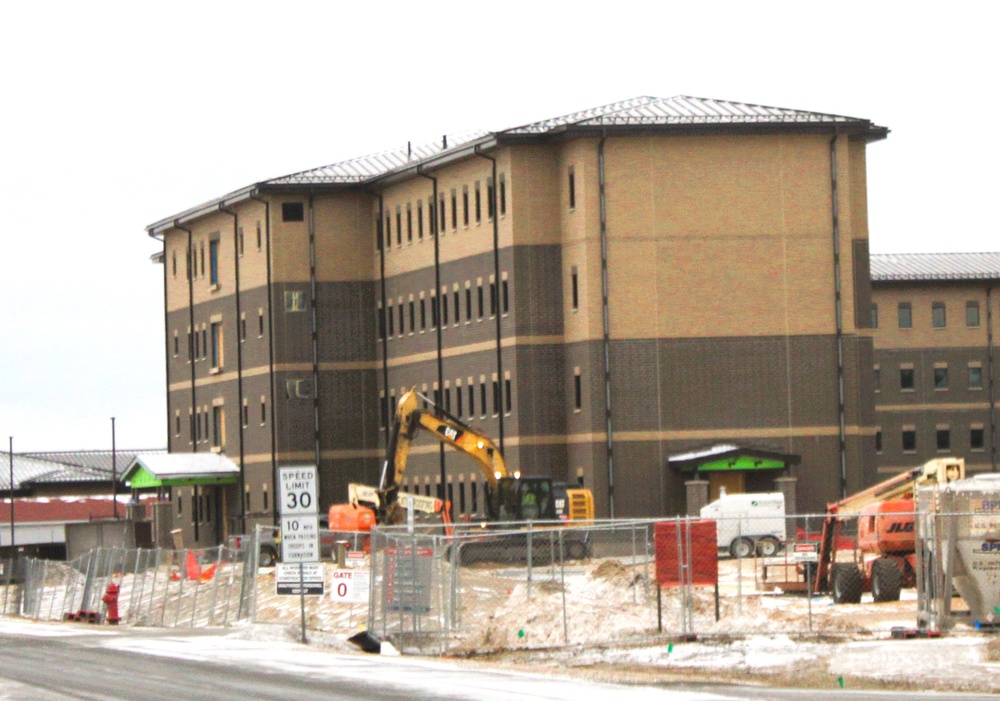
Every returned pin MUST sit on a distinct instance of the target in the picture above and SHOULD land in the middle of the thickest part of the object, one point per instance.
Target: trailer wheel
(741, 547)
(846, 583)
(768, 546)
(576, 550)
(887, 580)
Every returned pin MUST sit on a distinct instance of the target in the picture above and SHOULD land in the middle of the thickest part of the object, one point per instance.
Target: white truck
(748, 522)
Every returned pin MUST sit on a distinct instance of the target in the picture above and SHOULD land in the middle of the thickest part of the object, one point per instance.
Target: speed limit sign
(298, 490)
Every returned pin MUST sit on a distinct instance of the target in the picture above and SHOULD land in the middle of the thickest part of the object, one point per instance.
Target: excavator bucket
(366, 641)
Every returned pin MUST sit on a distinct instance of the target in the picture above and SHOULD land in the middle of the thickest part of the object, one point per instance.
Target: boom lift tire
(741, 548)
(847, 583)
(768, 546)
(887, 580)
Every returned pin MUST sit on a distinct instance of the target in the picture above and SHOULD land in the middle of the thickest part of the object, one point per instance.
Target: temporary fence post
(562, 572)
(739, 568)
(811, 571)
(197, 590)
(632, 529)
(529, 560)
(180, 588)
(166, 588)
(229, 588)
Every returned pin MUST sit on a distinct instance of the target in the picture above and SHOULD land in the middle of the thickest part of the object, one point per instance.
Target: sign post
(300, 528)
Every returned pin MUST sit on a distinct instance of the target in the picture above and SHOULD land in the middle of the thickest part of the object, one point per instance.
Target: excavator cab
(523, 499)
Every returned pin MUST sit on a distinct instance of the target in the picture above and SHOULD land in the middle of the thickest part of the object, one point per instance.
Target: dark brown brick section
(862, 284)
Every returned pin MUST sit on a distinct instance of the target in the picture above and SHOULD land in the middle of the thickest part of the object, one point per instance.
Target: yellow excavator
(510, 496)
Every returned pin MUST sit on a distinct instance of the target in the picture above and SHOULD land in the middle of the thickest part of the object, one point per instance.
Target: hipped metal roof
(889, 267)
(640, 114)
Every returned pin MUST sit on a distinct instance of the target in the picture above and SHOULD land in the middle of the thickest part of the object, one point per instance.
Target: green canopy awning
(181, 469)
(734, 458)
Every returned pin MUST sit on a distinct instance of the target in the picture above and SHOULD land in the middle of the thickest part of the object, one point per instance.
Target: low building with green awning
(733, 469)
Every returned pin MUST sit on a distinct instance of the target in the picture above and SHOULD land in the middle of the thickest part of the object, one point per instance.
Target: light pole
(114, 471)
(11, 455)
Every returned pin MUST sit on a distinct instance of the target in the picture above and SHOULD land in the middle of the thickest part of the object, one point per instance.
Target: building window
(906, 379)
(392, 321)
(260, 323)
(399, 226)
(458, 307)
(299, 389)
(479, 204)
(197, 345)
(941, 378)
(943, 438)
(177, 344)
(874, 316)
(444, 308)
(972, 314)
(434, 312)
(402, 318)
(388, 230)
(506, 296)
(878, 441)
(458, 399)
(975, 377)
(496, 397)
(173, 263)
(201, 259)
(905, 315)
(245, 414)
(468, 304)
(976, 438)
(574, 289)
(493, 298)
(218, 426)
(482, 398)
(239, 240)
(420, 220)
(572, 188)
(909, 440)
(177, 424)
(938, 319)
(479, 297)
(409, 223)
(413, 316)
(447, 398)
(442, 215)
(243, 327)
(878, 379)
(216, 345)
(431, 217)
(507, 395)
(465, 205)
(577, 390)
(263, 411)
(423, 315)
(490, 199)
(454, 209)
(503, 194)
(380, 331)
(295, 301)
(260, 238)
(292, 211)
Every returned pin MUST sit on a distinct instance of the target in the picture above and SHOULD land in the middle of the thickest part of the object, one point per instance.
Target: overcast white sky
(119, 114)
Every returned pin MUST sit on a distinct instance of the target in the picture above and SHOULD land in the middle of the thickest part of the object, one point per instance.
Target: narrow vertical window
(442, 214)
(575, 288)
(243, 327)
(176, 344)
(177, 424)
(399, 226)
(434, 312)
(444, 308)
(454, 209)
(905, 315)
(874, 316)
(239, 240)
(506, 395)
(260, 322)
(458, 307)
(458, 400)
(577, 390)
(402, 319)
(388, 230)
(468, 304)
(392, 324)
(465, 205)
(263, 411)
(490, 199)
(493, 298)
(213, 262)
(384, 410)
(420, 220)
(413, 317)
(878, 441)
(479, 297)
(409, 223)
(503, 195)
(217, 426)
(496, 397)
(260, 238)
(423, 314)
(472, 399)
(245, 414)
(479, 204)
(173, 263)
(482, 397)
(572, 188)
(506, 296)
(431, 217)
(216, 346)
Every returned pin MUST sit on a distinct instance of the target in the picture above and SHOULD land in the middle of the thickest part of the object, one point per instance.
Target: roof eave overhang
(451, 156)
(861, 128)
(210, 207)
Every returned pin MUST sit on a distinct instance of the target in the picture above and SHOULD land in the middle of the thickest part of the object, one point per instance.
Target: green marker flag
(840, 680)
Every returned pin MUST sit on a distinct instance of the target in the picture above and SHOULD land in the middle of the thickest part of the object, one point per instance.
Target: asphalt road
(63, 662)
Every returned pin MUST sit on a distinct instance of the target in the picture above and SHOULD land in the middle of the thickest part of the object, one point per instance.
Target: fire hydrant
(111, 600)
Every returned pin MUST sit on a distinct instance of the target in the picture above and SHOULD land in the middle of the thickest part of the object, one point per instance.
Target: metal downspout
(190, 265)
(315, 329)
(270, 352)
(606, 312)
(166, 338)
(384, 321)
(992, 379)
(497, 297)
(239, 367)
(435, 231)
(838, 301)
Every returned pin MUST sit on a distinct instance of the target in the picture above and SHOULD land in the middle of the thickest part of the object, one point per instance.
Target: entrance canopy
(181, 469)
(721, 458)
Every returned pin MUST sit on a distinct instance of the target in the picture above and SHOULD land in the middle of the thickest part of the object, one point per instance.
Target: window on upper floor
(943, 439)
(295, 301)
(972, 314)
(413, 317)
(878, 379)
(874, 316)
(878, 440)
(503, 194)
(938, 319)
(572, 188)
(941, 377)
(479, 204)
(574, 289)
(409, 223)
(479, 297)
(465, 205)
(420, 220)
(909, 439)
(975, 376)
(454, 209)
(399, 226)
(577, 390)
(260, 237)
(392, 321)
(977, 437)
(213, 261)
(239, 241)
(444, 308)
(905, 312)
(292, 211)
(218, 427)
(906, 379)
(490, 198)
(216, 337)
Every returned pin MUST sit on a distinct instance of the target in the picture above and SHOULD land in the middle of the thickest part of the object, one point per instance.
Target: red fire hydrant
(111, 599)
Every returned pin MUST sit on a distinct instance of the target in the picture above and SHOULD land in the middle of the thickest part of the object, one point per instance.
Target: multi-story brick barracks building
(599, 292)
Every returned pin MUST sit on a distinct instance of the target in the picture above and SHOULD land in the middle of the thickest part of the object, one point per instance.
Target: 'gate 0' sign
(298, 490)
